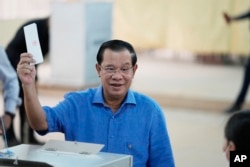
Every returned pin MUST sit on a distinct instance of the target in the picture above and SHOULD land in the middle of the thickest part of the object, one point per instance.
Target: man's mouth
(116, 85)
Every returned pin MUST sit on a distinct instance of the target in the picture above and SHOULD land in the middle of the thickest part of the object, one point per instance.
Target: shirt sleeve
(10, 85)
(160, 147)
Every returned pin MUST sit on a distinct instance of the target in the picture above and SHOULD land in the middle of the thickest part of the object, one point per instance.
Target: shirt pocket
(139, 150)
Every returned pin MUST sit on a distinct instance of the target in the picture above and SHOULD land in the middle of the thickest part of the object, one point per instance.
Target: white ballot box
(77, 29)
(26, 155)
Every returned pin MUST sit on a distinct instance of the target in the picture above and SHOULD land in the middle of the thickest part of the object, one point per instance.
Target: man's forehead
(109, 50)
(122, 54)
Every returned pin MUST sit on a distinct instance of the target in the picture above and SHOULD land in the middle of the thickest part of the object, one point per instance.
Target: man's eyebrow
(126, 63)
(109, 65)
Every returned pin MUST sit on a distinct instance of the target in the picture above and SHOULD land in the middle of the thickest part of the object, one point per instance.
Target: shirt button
(130, 146)
(112, 136)
(113, 117)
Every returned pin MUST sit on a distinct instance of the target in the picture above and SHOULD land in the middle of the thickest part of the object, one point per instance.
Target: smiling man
(112, 114)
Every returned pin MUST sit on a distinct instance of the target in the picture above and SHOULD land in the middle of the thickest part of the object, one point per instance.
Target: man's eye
(110, 69)
(124, 69)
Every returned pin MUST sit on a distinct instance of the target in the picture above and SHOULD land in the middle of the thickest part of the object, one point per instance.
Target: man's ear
(98, 69)
(134, 69)
(231, 146)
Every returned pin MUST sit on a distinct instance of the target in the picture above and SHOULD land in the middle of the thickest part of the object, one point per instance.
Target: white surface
(56, 159)
(72, 147)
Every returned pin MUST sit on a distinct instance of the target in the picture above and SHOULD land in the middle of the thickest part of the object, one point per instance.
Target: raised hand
(227, 18)
(26, 69)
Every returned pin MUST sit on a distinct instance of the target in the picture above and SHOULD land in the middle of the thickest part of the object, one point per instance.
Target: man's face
(116, 73)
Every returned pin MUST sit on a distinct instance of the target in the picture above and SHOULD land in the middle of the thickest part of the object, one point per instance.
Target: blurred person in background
(238, 103)
(15, 47)
(237, 133)
(10, 89)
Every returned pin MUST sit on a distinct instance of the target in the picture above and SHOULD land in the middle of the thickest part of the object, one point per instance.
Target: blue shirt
(10, 85)
(138, 128)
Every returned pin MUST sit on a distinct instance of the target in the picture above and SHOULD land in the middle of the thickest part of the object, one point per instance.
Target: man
(123, 120)
(237, 133)
(17, 46)
(237, 105)
(10, 90)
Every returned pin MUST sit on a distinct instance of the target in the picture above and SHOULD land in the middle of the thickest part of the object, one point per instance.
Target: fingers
(26, 58)
(26, 63)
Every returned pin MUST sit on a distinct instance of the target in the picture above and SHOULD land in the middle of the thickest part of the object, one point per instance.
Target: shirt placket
(112, 132)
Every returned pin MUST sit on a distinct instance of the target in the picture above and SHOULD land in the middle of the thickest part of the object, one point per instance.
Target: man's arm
(229, 18)
(241, 16)
(27, 72)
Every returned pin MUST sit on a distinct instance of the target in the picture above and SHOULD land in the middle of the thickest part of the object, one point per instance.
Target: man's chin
(117, 94)
(116, 89)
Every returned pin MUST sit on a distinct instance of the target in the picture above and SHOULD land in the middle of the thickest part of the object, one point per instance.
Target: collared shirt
(10, 85)
(138, 128)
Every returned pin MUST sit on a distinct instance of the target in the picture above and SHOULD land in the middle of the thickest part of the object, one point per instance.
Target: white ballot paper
(72, 147)
(32, 42)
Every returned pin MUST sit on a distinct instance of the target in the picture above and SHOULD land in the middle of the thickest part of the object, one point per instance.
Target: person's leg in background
(243, 92)
(11, 137)
(26, 132)
(23, 126)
